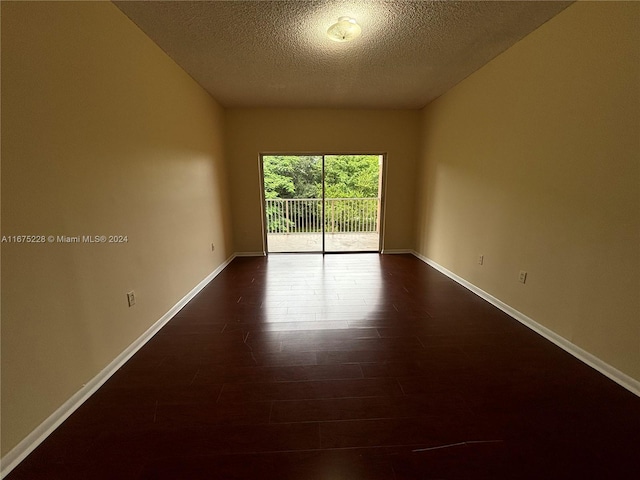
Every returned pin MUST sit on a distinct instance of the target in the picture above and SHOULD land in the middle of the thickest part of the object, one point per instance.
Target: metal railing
(304, 215)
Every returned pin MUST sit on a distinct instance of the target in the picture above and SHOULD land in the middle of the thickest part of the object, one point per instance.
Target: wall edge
(18, 453)
(584, 356)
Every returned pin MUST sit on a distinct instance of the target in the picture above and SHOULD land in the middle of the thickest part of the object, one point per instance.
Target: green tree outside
(300, 177)
(351, 176)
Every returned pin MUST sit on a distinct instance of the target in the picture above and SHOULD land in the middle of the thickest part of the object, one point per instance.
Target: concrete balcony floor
(312, 242)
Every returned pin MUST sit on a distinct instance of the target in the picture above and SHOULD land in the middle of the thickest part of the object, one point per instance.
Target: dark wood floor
(345, 367)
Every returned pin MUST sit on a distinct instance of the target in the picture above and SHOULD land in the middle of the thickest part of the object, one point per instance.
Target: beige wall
(254, 131)
(101, 134)
(534, 162)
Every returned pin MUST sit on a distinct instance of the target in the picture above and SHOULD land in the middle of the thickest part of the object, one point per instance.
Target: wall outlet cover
(131, 298)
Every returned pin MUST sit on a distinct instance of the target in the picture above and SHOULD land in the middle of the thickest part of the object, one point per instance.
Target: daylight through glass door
(322, 203)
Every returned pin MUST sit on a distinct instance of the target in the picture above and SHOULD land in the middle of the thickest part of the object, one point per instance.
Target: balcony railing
(304, 215)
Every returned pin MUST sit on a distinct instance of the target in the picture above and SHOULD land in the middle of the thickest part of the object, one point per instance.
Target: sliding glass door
(322, 203)
(352, 202)
(293, 202)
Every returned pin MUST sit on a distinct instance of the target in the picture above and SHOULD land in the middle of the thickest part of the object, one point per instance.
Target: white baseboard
(250, 254)
(37, 436)
(613, 373)
(394, 251)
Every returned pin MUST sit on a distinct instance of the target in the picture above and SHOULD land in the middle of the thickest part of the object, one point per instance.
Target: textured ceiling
(276, 53)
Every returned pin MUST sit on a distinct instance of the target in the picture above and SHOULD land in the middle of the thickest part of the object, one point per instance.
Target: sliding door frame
(382, 194)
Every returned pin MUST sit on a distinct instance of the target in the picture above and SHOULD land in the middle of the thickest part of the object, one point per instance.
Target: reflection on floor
(353, 367)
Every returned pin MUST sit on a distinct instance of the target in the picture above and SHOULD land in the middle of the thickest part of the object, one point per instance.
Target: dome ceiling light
(345, 30)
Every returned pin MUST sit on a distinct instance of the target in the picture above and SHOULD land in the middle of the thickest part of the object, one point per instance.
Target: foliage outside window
(300, 178)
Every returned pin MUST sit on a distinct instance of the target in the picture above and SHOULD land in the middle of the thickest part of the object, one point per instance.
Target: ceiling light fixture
(345, 30)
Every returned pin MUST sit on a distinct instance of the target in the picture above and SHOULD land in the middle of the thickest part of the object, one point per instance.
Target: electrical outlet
(480, 259)
(523, 276)
(213, 247)
(131, 298)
